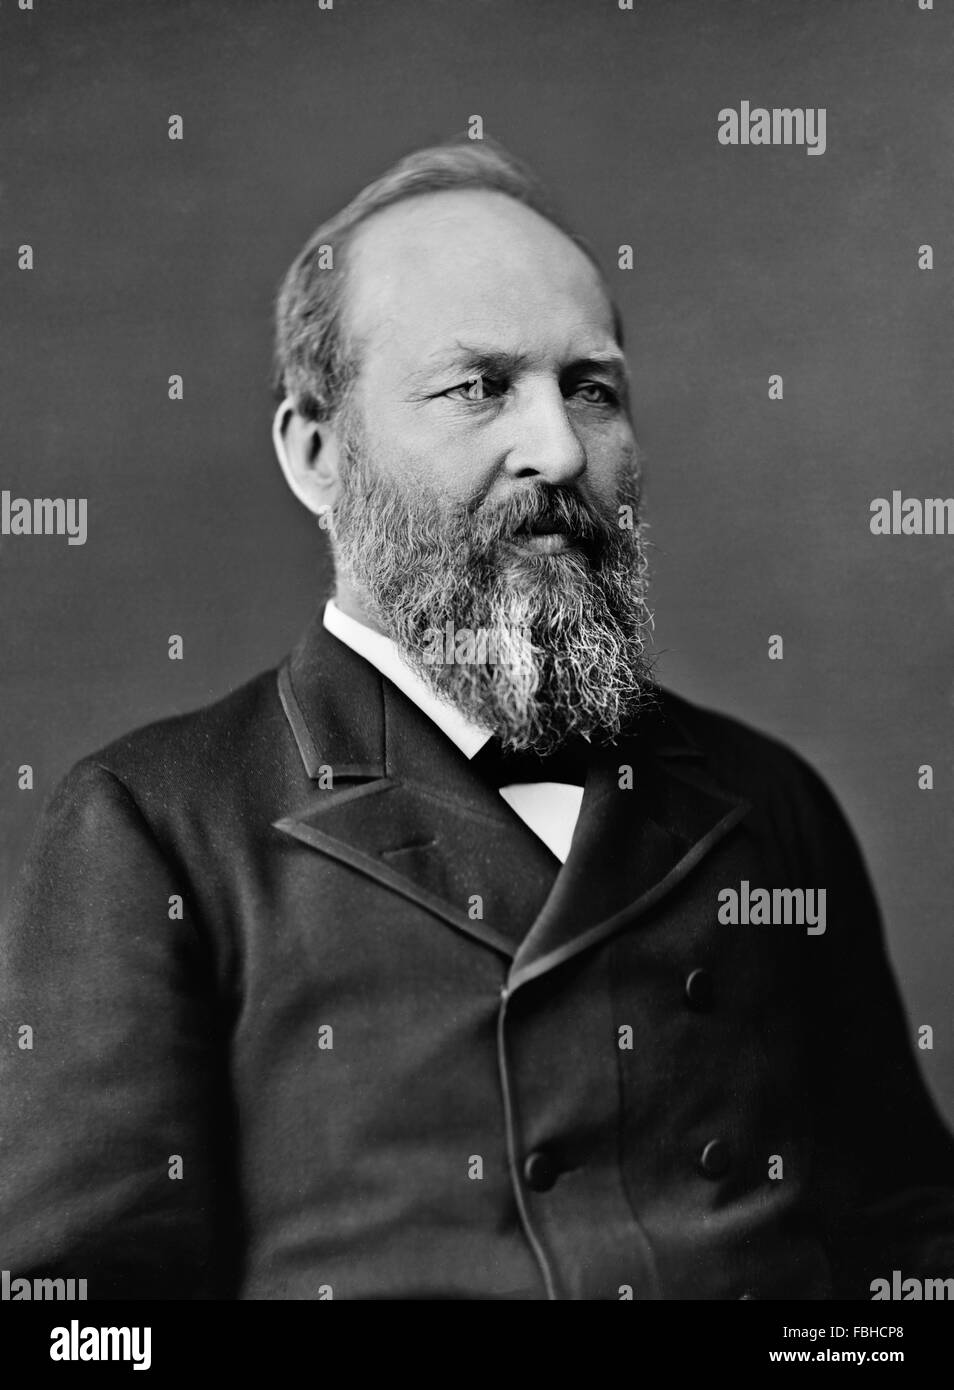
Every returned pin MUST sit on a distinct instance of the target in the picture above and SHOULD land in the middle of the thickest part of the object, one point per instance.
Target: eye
(476, 388)
(594, 393)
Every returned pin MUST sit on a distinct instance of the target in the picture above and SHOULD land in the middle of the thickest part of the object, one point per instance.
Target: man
(412, 970)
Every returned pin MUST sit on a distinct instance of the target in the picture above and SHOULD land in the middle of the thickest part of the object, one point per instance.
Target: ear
(308, 452)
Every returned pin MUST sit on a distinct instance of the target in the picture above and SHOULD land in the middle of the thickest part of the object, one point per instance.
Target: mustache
(542, 508)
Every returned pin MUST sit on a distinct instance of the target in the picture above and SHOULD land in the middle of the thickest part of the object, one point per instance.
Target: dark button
(714, 1159)
(540, 1171)
(699, 989)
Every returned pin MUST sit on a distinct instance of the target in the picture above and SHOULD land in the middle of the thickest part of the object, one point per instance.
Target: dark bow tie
(568, 764)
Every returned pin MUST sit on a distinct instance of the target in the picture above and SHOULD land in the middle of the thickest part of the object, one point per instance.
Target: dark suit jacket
(474, 1124)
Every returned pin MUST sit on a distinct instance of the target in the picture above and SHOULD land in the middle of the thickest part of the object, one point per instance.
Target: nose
(543, 442)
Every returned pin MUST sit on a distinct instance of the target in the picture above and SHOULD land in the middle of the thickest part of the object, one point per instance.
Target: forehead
(471, 263)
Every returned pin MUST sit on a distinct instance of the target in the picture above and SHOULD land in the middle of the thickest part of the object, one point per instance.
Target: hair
(313, 364)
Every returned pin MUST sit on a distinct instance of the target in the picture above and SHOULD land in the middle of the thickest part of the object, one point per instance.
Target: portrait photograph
(476, 770)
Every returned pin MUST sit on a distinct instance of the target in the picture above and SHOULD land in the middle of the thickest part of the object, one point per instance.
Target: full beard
(538, 648)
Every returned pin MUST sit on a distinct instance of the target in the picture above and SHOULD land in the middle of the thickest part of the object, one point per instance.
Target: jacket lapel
(393, 798)
(403, 804)
(633, 843)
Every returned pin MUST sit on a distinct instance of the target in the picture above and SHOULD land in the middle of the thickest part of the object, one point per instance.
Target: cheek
(446, 461)
(611, 455)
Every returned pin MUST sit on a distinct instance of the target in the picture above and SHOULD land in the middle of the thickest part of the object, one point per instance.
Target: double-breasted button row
(716, 1158)
(540, 1170)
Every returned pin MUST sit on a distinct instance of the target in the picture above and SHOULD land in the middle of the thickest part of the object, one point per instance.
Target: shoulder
(188, 763)
(205, 738)
(745, 761)
(788, 801)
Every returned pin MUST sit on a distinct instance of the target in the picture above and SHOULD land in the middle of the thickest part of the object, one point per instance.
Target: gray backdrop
(156, 257)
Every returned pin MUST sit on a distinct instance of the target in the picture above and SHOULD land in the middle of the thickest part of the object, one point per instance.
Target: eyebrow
(495, 362)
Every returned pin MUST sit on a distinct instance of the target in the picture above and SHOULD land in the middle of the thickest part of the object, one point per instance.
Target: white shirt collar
(384, 654)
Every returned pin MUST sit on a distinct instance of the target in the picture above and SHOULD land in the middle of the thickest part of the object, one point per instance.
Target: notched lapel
(404, 806)
(447, 857)
(631, 847)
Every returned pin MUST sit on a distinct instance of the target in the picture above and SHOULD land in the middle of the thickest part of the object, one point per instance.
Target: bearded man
(404, 971)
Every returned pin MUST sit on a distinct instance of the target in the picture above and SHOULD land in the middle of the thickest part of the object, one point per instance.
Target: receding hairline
(357, 232)
(468, 191)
